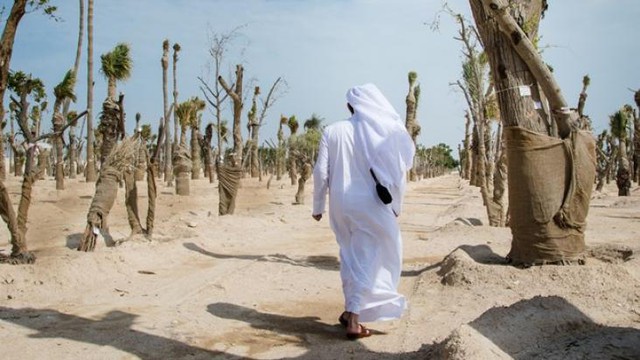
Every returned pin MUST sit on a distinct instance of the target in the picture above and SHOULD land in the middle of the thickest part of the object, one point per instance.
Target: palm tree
(205, 145)
(281, 150)
(313, 123)
(253, 127)
(6, 49)
(413, 128)
(166, 116)
(142, 158)
(63, 93)
(293, 128)
(73, 153)
(196, 137)
(584, 122)
(176, 49)
(25, 86)
(116, 66)
(91, 175)
(636, 138)
(188, 114)
(618, 123)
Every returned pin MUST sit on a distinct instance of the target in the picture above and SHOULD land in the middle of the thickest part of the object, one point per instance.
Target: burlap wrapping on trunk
(105, 196)
(182, 169)
(550, 183)
(229, 180)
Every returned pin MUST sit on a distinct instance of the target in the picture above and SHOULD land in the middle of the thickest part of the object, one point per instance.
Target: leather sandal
(364, 332)
(344, 319)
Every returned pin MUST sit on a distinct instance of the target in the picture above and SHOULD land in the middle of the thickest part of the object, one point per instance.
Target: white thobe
(366, 230)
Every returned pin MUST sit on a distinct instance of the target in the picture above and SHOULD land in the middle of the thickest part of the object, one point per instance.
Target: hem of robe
(389, 310)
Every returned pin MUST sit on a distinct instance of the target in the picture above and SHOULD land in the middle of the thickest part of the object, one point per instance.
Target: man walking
(370, 147)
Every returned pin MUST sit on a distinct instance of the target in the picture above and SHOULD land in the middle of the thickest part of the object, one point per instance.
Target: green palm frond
(224, 131)
(412, 77)
(71, 115)
(117, 63)
(313, 123)
(183, 112)
(618, 124)
(293, 124)
(64, 90)
(25, 85)
(187, 111)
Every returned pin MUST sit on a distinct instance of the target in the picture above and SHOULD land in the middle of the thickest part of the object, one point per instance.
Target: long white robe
(366, 230)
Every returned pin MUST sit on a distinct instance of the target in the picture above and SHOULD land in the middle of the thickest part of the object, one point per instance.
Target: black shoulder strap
(374, 176)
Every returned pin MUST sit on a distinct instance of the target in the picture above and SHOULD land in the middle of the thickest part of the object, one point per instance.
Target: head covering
(387, 144)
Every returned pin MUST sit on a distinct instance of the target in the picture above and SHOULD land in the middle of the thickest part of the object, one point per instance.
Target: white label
(525, 90)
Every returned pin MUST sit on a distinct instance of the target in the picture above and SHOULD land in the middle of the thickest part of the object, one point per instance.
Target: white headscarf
(386, 142)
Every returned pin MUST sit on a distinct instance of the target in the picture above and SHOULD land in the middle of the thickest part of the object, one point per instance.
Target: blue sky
(323, 47)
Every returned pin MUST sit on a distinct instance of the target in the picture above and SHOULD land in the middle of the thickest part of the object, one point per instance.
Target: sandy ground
(264, 283)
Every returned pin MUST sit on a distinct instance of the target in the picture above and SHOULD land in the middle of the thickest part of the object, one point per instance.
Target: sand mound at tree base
(543, 327)
(545, 320)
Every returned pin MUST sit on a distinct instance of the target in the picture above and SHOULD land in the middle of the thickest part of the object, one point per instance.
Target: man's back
(347, 164)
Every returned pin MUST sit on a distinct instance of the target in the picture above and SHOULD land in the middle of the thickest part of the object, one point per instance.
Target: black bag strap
(374, 176)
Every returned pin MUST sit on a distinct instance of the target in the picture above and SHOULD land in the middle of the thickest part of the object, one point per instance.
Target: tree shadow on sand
(483, 254)
(73, 240)
(113, 330)
(319, 262)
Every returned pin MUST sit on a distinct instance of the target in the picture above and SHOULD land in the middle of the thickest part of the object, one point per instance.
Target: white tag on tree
(525, 90)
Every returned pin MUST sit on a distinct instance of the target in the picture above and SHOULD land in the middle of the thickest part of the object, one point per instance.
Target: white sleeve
(321, 177)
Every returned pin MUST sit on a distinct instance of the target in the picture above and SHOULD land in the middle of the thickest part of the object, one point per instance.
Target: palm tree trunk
(623, 174)
(537, 180)
(6, 50)
(72, 153)
(182, 170)
(19, 252)
(168, 172)
(90, 168)
(410, 122)
(58, 123)
(176, 48)
(131, 202)
(466, 169)
(195, 154)
(205, 145)
(236, 96)
(636, 139)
